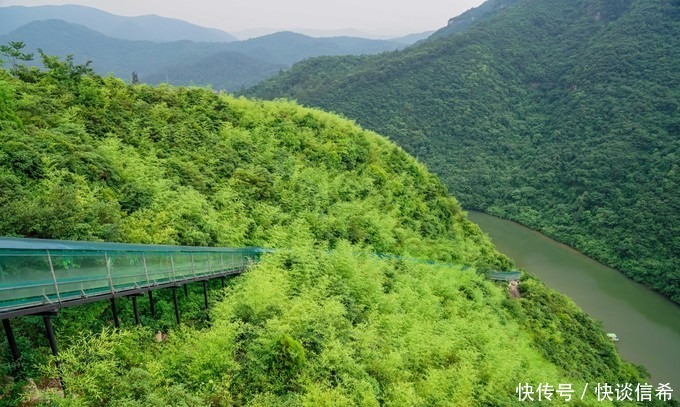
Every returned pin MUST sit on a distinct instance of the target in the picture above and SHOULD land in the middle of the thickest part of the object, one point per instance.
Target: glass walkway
(38, 276)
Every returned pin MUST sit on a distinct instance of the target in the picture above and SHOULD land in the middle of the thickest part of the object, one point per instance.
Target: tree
(12, 50)
(67, 72)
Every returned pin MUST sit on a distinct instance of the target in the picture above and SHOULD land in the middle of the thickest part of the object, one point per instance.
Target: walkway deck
(39, 275)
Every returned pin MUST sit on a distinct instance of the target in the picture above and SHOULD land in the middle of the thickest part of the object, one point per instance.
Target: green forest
(561, 115)
(322, 320)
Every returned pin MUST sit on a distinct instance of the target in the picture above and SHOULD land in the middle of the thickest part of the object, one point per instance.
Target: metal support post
(146, 270)
(135, 309)
(11, 341)
(172, 268)
(222, 279)
(107, 259)
(49, 331)
(114, 311)
(174, 300)
(205, 293)
(54, 276)
(186, 290)
(152, 306)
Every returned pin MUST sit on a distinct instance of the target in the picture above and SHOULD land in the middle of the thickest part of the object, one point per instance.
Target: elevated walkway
(503, 275)
(38, 276)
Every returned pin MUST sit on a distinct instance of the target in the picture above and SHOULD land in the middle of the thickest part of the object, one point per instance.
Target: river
(648, 324)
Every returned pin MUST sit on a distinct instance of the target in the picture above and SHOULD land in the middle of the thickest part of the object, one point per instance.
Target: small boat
(613, 337)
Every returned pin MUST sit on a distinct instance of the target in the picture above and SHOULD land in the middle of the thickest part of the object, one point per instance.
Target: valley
(347, 162)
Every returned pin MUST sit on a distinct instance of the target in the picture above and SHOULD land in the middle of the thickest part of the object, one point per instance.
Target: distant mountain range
(347, 32)
(223, 65)
(145, 28)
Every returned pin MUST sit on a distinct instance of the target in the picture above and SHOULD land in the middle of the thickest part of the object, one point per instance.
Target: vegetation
(562, 115)
(314, 328)
(12, 51)
(464, 21)
(323, 320)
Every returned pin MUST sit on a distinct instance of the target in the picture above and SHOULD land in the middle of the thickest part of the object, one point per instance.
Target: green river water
(648, 325)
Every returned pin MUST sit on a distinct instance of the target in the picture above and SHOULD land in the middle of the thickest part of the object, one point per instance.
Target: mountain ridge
(149, 27)
(556, 114)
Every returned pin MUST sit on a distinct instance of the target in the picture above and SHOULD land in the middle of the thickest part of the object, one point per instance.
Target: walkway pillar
(114, 310)
(174, 300)
(11, 341)
(205, 293)
(152, 307)
(135, 309)
(49, 331)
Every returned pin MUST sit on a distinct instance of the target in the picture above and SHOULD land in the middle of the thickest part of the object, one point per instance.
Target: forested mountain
(287, 47)
(562, 115)
(322, 320)
(464, 21)
(225, 70)
(229, 66)
(412, 38)
(144, 28)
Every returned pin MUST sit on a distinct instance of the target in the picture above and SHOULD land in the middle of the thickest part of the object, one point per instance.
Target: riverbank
(647, 323)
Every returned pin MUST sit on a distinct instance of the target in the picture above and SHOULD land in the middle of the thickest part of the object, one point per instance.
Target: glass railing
(36, 272)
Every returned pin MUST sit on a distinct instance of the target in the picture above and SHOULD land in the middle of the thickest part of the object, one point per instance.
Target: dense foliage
(471, 17)
(322, 321)
(307, 328)
(562, 115)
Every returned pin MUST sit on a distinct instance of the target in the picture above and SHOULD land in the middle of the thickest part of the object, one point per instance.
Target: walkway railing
(44, 275)
(503, 275)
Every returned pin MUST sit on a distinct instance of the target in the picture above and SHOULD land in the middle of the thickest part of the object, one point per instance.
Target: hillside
(471, 17)
(287, 47)
(141, 28)
(322, 320)
(562, 115)
(225, 70)
(229, 66)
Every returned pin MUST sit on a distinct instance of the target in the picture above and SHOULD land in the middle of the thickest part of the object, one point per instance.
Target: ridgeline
(561, 115)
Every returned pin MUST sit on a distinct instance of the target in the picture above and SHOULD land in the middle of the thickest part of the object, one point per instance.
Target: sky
(375, 17)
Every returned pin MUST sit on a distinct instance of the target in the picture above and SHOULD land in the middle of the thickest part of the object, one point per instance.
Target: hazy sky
(385, 17)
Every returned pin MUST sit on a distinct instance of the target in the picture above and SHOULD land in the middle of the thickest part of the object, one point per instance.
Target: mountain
(225, 70)
(562, 115)
(145, 28)
(467, 19)
(311, 32)
(232, 65)
(375, 295)
(288, 47)
(412, 38)
(108, 55)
